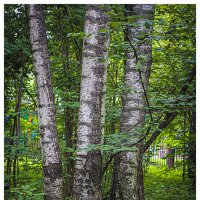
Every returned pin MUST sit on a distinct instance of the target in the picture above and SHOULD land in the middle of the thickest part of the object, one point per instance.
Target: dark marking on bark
(90, 192)
(81, 123)
(94, 20)
(51, 171)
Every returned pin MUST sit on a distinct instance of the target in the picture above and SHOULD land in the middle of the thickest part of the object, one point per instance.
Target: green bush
(27, 192)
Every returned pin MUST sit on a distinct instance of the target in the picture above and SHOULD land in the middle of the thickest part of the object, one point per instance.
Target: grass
(164, 184)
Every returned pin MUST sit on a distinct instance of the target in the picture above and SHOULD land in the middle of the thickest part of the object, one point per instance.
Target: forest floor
(163, 184)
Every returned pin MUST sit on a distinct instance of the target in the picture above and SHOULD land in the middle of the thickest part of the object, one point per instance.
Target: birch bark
(88, 167)
(127, 181)
(52, 171)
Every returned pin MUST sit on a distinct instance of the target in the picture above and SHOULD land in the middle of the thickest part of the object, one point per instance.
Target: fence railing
(164, 156)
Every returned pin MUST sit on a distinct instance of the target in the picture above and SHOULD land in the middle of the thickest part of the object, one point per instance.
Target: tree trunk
(128, 176)
(52, 168)
(69, 166)
(18, 129)
(8, 164)
(191, 161)
(88, 167)
(68, 112)
(170, 157)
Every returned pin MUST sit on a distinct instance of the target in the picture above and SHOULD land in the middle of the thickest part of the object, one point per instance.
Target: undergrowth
(165, 184)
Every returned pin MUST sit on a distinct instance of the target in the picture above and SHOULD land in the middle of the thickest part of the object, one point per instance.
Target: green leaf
(104, 30)
(148, 24)
(138, 65)
(161, 21)
(70, 150)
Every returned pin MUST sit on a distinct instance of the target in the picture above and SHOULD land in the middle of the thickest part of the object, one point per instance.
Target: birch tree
(88, 167)
(127, 181)
(52, 171)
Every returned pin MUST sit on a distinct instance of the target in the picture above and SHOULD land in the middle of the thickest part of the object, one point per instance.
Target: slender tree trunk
(184, 146)
(18, 129)
(88, 167)
(69, 163)
(8, 163)
(128, 175)
(52, 168)
(170, 157)
(192, 150)
(69, 166)
(77, 48)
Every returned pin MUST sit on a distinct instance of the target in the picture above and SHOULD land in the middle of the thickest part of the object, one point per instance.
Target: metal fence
(164, 156)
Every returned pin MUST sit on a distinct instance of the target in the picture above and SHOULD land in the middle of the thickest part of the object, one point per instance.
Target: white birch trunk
(126, 175)
(52, 171)
(88, 167)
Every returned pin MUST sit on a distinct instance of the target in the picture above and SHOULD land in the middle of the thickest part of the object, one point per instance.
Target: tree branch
(14, 76)
(169, 117)
(112, 156)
